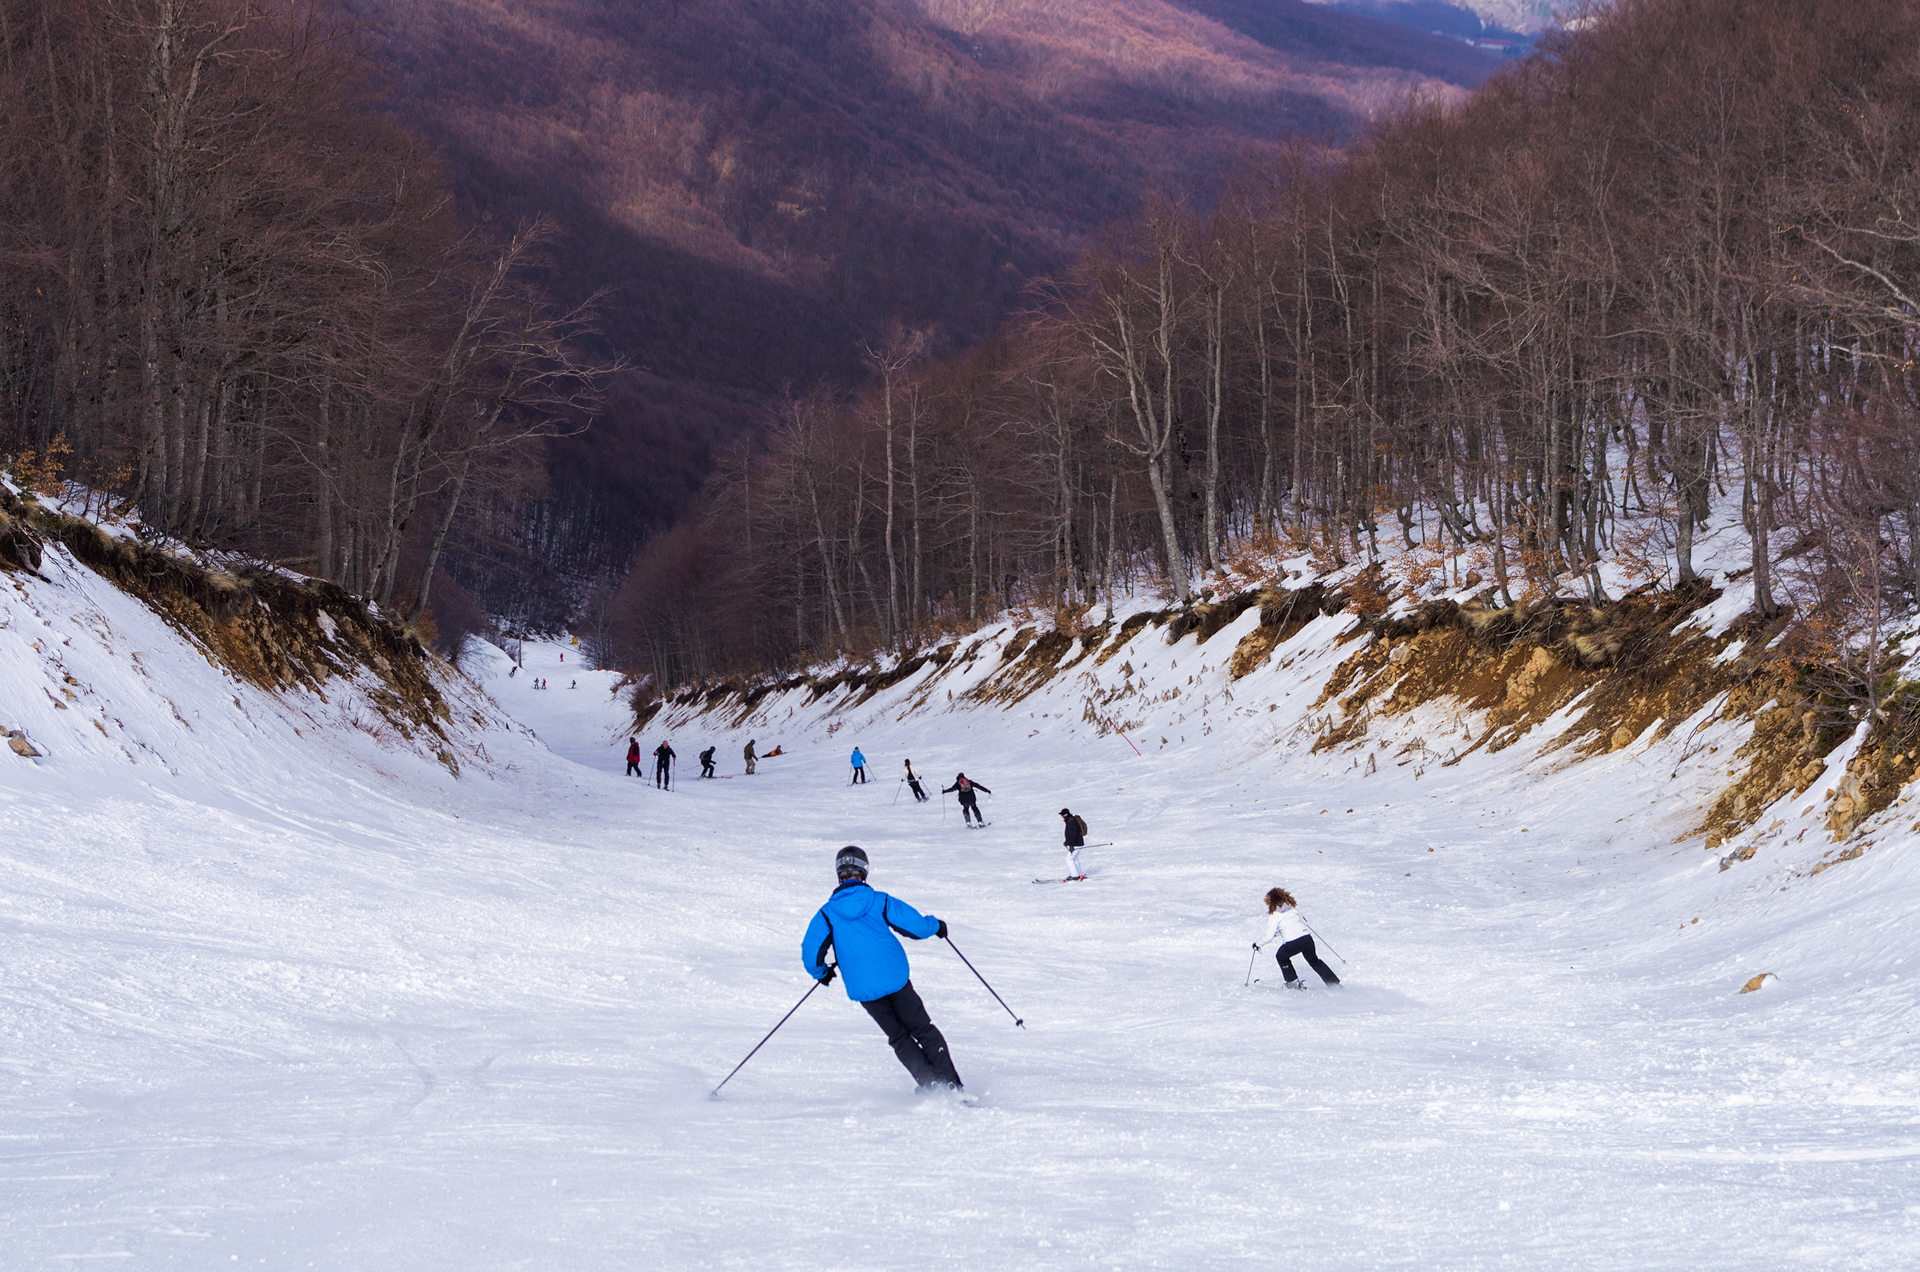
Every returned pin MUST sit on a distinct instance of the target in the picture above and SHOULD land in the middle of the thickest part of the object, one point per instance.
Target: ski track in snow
(307, 1001)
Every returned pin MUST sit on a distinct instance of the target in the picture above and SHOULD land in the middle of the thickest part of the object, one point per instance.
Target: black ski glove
(828, 978)
(942, 933)
(1256, 945)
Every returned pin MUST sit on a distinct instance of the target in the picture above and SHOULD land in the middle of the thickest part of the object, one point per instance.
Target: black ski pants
(913, 1037)
(859, 774)
(971, 806)
(706, 768)
(633, 768)
(659, 772)
(1303, 945)
(913, 785)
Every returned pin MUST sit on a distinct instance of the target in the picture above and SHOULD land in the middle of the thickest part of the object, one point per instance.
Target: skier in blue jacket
(859, 763)
(858, 924)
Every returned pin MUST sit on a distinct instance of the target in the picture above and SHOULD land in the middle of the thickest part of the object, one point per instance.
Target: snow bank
(282, 992)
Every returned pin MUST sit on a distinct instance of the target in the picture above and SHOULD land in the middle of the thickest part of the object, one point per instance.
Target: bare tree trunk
(454, 491)
(826, 556)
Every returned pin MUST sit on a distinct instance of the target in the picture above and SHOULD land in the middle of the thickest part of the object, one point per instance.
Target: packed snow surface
(304, 999)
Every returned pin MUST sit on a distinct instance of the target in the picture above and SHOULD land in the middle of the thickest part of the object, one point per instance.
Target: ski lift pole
(1323, 940)
(776, 1029)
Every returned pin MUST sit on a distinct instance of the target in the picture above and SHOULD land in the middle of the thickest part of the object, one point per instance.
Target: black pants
(1303, 945)
(969, 806)
(660, 773)
(633, 768)
(913, 1036)
(913, 785)
(706, 768)
(860, 775)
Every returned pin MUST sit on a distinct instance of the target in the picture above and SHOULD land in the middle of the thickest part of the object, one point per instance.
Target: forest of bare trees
(236, 298)
(1669, 262)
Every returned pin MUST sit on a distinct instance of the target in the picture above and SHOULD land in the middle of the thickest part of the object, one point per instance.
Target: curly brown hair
(1277, 897)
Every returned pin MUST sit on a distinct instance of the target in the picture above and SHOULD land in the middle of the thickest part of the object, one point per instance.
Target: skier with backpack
(1284, 921)
(858, 924)
(1075, 841)
(747, 754)
(633, 757)
(969, 798)
(706, 761)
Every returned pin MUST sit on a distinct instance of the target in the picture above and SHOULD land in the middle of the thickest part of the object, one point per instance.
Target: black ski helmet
(851, 863)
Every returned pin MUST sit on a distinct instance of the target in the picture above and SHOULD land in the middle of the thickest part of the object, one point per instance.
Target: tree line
(1668, 260)
(238, 298)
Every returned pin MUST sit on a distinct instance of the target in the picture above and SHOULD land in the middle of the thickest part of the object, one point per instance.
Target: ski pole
(1250, 958)
(1323, 940)
(983, 980)
(896, 793)
(776, 1029)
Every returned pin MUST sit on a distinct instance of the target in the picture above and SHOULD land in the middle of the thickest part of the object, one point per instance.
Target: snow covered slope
(285, 996)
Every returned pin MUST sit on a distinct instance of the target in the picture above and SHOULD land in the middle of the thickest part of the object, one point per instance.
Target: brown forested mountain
(1547, 338)
(766, 187)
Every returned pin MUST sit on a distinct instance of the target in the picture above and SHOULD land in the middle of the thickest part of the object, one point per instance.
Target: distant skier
(913, 784)
(1076, 840)
(706, 762)
(663, 758)
(859, 762)
(969, 797)
(858, 924)
(633, 757)
(1284, 921)
(749, 756)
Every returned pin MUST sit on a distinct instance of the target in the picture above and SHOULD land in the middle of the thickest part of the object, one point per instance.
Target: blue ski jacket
(859, 760)
(858, 924)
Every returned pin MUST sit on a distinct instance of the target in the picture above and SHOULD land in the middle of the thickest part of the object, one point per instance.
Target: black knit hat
(851, 863)
(1065, 813)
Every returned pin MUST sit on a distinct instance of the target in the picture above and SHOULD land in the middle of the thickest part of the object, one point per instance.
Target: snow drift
(285, 989)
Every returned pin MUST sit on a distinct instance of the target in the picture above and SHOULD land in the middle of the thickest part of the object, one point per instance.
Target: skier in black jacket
(969, 801)
(662, 757)
(706, 762)
(1076, 840)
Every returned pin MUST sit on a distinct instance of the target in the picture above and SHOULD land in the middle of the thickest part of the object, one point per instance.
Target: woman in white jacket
(1283, 921)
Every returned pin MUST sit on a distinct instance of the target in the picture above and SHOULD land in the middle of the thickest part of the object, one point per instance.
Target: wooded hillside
(766, 187)
(1670, 259)
(237, 298)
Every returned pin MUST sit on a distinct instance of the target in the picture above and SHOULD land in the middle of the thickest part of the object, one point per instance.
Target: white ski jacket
(1284, 923)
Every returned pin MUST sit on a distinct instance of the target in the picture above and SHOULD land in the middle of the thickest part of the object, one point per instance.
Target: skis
(1068, 879)
(978, 825)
